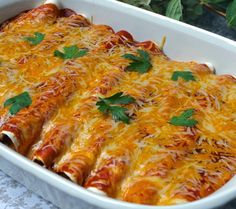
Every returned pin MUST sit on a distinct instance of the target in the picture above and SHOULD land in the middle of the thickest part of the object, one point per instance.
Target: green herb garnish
(70, 52)
(141, 63)
(186, 75)
(18, 102)
(184, 119)
(36, 39)
(106, 106)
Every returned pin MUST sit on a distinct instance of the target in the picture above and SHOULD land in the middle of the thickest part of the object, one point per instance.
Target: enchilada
(178, 107)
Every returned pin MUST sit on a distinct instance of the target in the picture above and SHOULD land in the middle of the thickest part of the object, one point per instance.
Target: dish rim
(106, 202)
(77, 191)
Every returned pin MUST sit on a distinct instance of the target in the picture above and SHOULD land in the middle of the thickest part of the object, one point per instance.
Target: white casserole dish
(184, 42)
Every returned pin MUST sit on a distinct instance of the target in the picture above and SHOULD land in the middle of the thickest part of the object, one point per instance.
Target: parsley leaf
(141, 63)
(18, 102)
(36, 39)
(70, 52)
(184, 119)
(186, 75)
(119, 99)
(118, 113)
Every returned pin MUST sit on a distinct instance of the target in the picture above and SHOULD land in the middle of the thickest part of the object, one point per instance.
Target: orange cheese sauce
(148, 161)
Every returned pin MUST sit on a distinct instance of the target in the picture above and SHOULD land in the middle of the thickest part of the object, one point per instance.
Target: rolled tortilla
(106, 177)
(46, 13)
(112, 165)
(76, 166)
(142, 191)
(153, 167)
(53, 143)
(25, 127)
(86, 146)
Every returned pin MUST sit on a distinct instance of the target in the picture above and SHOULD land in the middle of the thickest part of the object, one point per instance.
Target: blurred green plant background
(189, 10)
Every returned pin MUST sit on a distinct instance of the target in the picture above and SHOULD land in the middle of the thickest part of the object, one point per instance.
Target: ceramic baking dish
(184, 42)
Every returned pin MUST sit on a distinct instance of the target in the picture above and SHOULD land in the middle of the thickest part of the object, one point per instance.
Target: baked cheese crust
(158, 157)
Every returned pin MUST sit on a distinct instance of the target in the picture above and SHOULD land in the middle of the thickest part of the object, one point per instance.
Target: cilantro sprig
(141, 63)
(18, 102)
(36, 39)
(184, 119)
(186, 75)
(106, 106)
(70, 52)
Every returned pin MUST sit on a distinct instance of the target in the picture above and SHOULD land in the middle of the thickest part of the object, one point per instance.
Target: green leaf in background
(174, 9)
(137, 2)
(188, 10)
(231, 14)
(145, 4)
(214, 1)
(192, 9)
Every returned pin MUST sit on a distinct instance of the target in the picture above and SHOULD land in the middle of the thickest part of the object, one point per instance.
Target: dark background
(215, 23)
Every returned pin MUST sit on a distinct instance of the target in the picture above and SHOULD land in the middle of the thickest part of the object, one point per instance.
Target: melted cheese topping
(148, 161)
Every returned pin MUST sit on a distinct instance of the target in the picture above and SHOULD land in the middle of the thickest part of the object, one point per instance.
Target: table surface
(15, 196)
